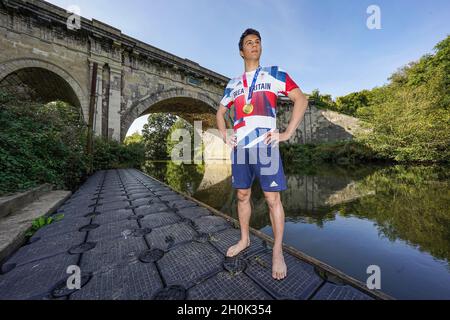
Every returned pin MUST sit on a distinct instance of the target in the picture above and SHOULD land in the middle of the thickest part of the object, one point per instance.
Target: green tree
(322, 101)
(350, 103)
(184, 177)
(134, 138)
(409, 117)
(154, 135)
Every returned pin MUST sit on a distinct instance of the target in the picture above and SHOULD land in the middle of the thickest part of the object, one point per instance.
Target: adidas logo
(273, 184)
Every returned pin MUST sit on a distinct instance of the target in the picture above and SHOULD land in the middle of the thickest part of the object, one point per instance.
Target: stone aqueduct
(41, 58)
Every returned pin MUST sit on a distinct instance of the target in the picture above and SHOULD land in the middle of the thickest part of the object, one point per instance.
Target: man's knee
(243, 195)
(273, 199)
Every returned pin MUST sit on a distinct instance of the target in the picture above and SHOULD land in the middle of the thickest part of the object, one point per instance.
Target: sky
(322, 44)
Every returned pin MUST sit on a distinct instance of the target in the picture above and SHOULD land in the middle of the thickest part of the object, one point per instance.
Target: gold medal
(248, 108)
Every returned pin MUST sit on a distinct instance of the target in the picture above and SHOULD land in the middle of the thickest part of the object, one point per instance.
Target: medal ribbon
(252, 87)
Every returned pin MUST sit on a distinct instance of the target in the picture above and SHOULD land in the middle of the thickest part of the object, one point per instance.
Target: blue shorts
(261, 161)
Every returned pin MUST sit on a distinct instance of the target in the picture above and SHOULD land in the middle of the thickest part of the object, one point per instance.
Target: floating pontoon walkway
(133, 237)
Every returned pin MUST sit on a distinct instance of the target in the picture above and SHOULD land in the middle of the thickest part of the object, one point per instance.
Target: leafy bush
(40, 144)
(113, 155)
(45, 143)
(409, 118)
(341, 152)
(42, 222)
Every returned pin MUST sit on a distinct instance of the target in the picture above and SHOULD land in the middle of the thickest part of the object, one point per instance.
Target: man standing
(254, 95)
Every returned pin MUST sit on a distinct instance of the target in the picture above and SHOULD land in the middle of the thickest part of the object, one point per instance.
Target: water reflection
(394, 216)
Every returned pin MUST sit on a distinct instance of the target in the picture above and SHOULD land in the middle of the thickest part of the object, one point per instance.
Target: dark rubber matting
(109, 253)
(159, 219)
(211, 224)
(151, 209)
(105, 206)
(226, 286)
(105, 198)
(144, 202)
(166, 237)
(35, 280)
(113, 230)
(182, 204)
(142, 195)
(331, 291)
(112, 216)
(66, 225)
(190, 263)
(163, 191)
(229, 237)
(193, 212)
(137, 188)
(45, 248)
(172, 197)
(132, 281)
(300, 283)
(75, 210)
(112, 194)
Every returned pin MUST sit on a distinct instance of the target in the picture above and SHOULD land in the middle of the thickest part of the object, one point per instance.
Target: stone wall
(133, 78)
(318, 125)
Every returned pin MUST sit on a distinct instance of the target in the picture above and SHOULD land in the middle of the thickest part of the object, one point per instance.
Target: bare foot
(279, 268)
(238, 248)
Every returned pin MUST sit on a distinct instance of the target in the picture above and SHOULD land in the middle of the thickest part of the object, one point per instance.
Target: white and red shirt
(272, 82)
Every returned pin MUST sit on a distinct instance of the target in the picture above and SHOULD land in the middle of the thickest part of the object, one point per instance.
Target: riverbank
(342, 153)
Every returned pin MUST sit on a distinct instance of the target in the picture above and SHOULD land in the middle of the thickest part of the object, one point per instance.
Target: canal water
(395, 217)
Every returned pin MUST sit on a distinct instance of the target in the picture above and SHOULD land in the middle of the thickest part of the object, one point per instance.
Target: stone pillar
(115, 103)
(106, 83)
(98, 101)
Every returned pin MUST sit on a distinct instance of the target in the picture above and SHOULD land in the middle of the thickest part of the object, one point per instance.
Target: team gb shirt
(250, 128)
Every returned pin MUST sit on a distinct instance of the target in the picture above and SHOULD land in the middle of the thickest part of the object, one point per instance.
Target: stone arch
(191, 103)
(216, 155)
(78, 97)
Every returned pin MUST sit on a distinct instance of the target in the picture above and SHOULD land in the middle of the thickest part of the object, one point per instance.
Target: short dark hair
(247, 33)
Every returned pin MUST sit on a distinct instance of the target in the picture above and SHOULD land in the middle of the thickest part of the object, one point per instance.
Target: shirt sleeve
(227, 100)
(286, 83)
